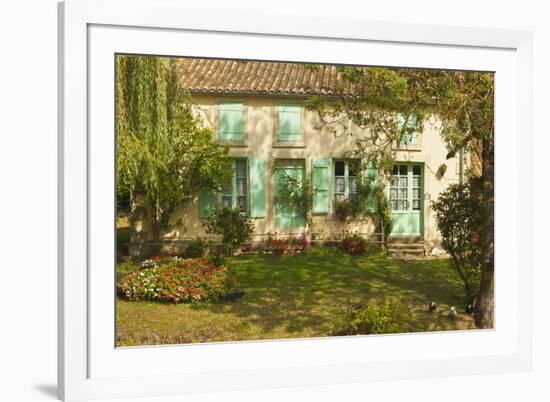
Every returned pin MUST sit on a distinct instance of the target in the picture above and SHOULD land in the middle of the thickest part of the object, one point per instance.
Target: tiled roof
(261, 77)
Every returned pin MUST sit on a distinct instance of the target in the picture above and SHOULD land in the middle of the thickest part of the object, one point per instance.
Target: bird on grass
(432, 306)
(234, 295)
(452, 312)
(470, 307)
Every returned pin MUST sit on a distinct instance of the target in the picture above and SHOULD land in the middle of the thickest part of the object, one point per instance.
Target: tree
(164, 153)
(459, 220)
(373, 98)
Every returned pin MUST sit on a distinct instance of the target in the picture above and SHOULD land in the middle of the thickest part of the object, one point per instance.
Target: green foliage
(346, 209)
(294, 195)
(195, 249)
(173, 280)
(459, 218)
(164, 153)
(233, 227)
(386, 317)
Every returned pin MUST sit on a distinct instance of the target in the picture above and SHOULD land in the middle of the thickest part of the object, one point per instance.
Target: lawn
(302, 295)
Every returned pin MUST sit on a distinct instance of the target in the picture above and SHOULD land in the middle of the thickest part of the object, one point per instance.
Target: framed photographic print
(246, 203)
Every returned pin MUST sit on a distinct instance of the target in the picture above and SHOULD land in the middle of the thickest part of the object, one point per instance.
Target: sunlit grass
(303, 295)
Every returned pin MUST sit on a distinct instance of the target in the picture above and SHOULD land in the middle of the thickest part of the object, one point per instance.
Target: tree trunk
(484, 312)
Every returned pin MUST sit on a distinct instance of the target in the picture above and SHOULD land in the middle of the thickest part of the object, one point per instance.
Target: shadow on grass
(296, 296)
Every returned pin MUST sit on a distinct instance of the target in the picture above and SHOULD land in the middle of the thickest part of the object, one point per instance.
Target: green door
(289, 183)
(406, 199)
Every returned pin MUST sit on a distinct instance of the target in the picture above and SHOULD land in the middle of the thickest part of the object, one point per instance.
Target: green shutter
(320, 175)
(207, 203)
(371, 176)
(290, 123)
(231, 121)
(257, 187)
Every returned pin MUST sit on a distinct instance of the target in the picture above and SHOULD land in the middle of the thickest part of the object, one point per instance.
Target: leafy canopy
(164, 152)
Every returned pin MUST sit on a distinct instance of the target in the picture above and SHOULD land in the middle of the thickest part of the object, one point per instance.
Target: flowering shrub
(353, 244)
(377, 317)
(175, 280)
(289, 245)
(344, 209)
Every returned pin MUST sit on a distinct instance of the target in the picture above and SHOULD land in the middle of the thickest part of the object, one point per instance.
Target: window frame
(234, 192)
(346, 178)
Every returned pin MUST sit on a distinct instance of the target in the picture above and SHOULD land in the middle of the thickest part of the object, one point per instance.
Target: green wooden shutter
(290, 123)
(257, 187)
(231, 121)
(320, 176)
(207, 203)
(371, 175)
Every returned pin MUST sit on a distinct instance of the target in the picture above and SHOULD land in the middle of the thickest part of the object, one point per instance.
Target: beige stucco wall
(260, 118)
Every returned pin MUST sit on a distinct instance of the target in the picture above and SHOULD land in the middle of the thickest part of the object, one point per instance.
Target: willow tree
(390, 103)
(165, 155)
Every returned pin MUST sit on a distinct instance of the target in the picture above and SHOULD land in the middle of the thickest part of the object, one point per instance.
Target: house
(257, 109)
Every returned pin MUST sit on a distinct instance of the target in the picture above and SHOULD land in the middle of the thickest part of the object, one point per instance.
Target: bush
(233, 227)
(385, 317)
(345, 210)
(195, 249)
(289, 245)
(175, 280)
(354, 244)
(459, 219)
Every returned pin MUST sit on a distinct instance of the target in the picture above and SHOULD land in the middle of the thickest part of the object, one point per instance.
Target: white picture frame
(89, 365)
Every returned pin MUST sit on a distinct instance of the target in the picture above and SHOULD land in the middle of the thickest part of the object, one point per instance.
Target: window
(290, 123)
(416, 187)
(231, 121)
(410, 136)
(235, 195)
(399, 187)
(346, 174)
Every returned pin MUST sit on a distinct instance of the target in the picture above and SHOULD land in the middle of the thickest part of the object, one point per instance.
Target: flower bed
(175, 280)
(354, 244)
(289, 245)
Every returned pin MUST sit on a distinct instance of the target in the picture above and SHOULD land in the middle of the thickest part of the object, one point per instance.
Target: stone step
(405, 240)
(398, 246)
(406, 253)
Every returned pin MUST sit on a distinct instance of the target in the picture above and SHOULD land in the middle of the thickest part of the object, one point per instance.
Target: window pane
(241, 168)
(352, 185)
(403, 205)
(403, 170)
(339, 185)
(394, 181)
(394, 205)
(395, 170)
(339, 168)
(403, 182)
(241, 203)
(227, 201)
(416, 205)
(241, 186)
(354, 168)
(416, 181)
(403, 193)
(416, 193)
(393, 193)
(416, 170)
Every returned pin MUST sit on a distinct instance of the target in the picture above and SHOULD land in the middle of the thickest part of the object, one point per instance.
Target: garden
(285, 289)
(322, 292)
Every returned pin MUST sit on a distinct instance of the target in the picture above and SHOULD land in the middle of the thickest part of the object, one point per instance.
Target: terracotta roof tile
(262, 77)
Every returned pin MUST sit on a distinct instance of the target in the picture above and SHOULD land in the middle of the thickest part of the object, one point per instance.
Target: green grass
(300, 296)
